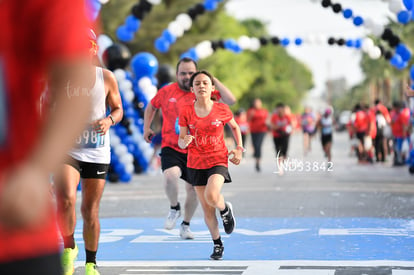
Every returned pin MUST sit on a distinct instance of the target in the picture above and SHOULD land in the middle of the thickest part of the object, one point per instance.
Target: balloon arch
(130, 153)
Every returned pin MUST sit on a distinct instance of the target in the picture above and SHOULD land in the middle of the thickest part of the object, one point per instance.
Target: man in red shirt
(38, 38)
(170, 99)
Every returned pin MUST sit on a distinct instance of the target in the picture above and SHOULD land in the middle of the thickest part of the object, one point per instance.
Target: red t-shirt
(170, 99)
(399, 120)
(208, 149)
(257, 120)
(361, 122)
(33, 35)
(283, 123)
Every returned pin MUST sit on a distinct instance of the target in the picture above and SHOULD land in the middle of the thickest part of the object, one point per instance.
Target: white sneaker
(172, 219)
(185, 232)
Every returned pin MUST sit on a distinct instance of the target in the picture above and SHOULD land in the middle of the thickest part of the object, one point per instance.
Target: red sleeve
(228, 114)
(156, 100)
(67, 28)
(183, 117)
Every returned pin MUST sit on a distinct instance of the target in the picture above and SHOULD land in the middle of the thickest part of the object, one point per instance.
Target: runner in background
(39, 40)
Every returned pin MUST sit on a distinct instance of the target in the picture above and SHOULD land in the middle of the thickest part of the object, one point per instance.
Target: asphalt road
(342, 188)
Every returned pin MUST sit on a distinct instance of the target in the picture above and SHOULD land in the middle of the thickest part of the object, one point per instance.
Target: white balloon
(126, 158)
(120, 149)
(154, 2)
(254, 44)
(103, 2)
(374, 52)
(377, 30)
(184, 20)
(103, 42)
(244, 42)
(396, 6)
(203, 49)
(310, 39)
(320, 39)
(176, 28)
(150, 92)
(369, 23)
(115, 140)
(144, 83)
(128, 95)
(119, 74)
(129, 168)
(125, 84)
(367, 44)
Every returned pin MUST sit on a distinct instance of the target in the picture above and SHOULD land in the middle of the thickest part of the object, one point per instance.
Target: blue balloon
(347, 13)
(144, 64)
(403, 51)
(404, 16)
(132, 23)
(285, 42)
(396, 60)
(191, 53)
(358, 43)
(124, 34)
(409, 4)
(125, 177)
(412, 72)
(402, 65)
(210, 5)
(167, 35)
(298, 41)
(358, 21)
(349, 43)
(161, 44)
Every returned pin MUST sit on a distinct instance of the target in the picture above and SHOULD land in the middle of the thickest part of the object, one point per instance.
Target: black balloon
(116, 56)
(263, 41)
(331, 41)
(337, 8)
(341, 42)
(326, 3)
(386, 35)
(165, 74)
(394, 41)
(275, 40)
(388, 55)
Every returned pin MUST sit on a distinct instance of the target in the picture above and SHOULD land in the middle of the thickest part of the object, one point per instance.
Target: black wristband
(112, 119)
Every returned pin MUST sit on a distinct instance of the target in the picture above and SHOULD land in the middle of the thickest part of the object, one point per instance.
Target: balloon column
(130, 153)
(182, 23)
(402, 55)
(126, 32)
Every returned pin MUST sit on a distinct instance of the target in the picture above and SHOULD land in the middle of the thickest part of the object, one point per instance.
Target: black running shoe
(228, 219)
(217, 252)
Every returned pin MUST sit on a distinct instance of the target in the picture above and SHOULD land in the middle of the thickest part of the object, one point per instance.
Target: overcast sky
(299, 18)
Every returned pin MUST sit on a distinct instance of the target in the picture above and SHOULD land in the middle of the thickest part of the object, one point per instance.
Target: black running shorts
(171, 158)
(199, 177)
(88, 170)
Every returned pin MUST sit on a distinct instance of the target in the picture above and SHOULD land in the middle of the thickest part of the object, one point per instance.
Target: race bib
(90, 139)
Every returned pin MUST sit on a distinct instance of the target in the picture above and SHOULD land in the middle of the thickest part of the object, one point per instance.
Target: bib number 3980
(90, 139)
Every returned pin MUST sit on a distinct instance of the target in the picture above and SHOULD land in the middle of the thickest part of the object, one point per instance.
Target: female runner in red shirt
(202, 130)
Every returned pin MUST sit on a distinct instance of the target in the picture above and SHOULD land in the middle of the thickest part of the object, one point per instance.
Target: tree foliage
(270, 73)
